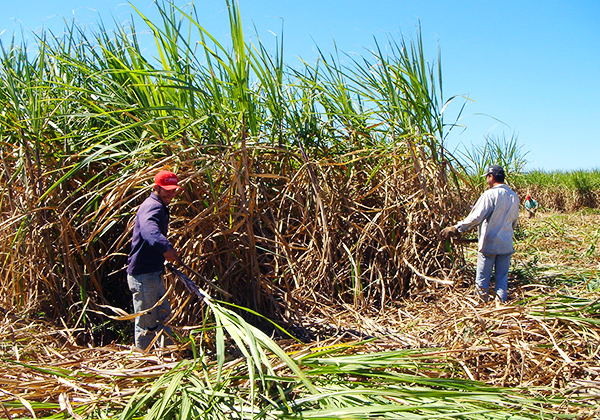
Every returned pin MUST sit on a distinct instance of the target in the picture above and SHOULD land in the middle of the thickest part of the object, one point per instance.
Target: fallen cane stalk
(201, 277)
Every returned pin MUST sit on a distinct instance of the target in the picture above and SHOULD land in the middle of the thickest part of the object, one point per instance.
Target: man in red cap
(149, 250)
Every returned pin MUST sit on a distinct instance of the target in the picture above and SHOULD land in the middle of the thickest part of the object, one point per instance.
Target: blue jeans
(148, 289)
(485, 264)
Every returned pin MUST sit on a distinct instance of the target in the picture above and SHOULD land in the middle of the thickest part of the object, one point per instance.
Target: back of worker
(497, 213)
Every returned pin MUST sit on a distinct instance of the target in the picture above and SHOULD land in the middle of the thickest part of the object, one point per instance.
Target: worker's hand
(171, 256)
(449, 231)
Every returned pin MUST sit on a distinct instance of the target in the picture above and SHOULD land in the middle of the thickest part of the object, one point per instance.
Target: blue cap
(494, 170)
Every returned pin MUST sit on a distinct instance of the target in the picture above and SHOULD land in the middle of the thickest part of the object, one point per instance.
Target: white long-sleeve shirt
(496, 212)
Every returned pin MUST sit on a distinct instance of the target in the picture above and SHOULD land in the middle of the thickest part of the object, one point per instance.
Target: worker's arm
(482, 209)
(151, 221)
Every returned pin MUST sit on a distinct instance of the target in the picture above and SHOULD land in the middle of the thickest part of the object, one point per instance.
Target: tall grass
(497, 150)
(555, 190)
(322, 181)
(562, 190)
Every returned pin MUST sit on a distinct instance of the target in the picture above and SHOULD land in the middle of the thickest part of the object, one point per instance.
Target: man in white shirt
(496, 213)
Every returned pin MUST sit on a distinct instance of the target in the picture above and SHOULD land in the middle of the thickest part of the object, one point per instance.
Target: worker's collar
(157, 198)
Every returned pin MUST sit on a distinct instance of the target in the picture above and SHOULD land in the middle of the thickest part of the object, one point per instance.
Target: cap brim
(169, 187)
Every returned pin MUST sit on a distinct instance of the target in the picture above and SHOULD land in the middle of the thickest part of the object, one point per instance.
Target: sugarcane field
(328, 258)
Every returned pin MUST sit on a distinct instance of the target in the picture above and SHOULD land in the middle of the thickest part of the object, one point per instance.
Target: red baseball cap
(166, 180)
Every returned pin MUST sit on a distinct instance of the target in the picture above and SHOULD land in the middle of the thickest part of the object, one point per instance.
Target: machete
(200, 276)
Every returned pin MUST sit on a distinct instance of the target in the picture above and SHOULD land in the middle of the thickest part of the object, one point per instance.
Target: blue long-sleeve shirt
(149, 241)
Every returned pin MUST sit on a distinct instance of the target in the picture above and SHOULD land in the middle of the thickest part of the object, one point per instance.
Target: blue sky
(531, 68)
